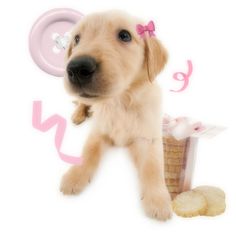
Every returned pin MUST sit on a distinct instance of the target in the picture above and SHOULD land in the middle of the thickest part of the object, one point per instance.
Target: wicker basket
(179, 158)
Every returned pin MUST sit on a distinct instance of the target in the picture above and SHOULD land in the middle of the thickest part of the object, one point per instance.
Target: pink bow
(150, 28)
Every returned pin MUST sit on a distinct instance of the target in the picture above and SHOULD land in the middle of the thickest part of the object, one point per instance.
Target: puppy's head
(106, 55)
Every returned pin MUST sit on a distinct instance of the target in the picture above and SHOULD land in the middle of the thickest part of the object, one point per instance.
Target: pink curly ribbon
(184, 77)
(150, 28)
(52, 121)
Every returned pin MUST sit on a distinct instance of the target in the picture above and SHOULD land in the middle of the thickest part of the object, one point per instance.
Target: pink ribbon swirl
(52, 121)
(181, 76)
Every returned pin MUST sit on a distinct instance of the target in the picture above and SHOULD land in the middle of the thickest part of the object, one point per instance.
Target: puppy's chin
(93, 95)
(90, 100)
(87, 95)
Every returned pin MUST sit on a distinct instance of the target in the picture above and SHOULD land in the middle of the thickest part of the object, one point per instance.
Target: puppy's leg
(148, 158)
(81, 113)
(79, 176)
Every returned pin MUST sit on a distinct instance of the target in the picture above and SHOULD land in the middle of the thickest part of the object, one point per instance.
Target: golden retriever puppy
(110, 68)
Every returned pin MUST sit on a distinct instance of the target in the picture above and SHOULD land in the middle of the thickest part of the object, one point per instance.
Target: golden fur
(127, 109)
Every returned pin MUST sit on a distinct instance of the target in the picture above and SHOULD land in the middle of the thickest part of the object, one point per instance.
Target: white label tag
(209, 131)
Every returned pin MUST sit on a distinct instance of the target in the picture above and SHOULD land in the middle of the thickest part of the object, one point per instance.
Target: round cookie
(215, 198)
(189, 204)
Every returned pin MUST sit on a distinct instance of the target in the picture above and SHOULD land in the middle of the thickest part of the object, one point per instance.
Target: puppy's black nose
(81, 70)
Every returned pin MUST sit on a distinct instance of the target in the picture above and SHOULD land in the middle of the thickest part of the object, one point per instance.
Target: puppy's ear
(155, 57)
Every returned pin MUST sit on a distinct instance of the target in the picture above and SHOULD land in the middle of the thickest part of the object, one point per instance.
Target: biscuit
(189, 204)
(215, 198)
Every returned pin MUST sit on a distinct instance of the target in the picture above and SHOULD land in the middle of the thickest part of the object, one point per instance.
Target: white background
(30, 170)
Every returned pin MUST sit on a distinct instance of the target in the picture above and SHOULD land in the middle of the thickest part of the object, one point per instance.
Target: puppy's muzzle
(81, 70)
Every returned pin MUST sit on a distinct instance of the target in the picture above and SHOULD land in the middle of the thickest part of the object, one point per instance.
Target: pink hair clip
(150, 28)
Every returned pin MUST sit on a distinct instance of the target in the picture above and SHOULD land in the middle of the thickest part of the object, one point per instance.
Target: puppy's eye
(77, 39)
(124, 36)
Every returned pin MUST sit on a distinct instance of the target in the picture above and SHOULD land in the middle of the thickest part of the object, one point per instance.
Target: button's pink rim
(50, 17)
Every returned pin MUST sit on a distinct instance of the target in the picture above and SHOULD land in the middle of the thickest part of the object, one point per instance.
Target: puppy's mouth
(86, 95)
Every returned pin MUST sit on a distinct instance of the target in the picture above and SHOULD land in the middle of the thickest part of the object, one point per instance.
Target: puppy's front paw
(158, 205)
(78, 117)
(74, 181)
(81, 113)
